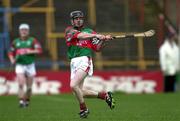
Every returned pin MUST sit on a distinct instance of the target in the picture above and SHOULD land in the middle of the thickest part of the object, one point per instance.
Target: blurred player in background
(22, 53)
(169, 61)
(81, 42)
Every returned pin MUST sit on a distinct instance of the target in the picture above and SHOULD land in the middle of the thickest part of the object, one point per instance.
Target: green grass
(129, 107)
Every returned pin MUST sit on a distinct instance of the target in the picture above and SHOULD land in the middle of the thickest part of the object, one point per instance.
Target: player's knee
(21, 79)
(21, 83)
(29, 89)
(73, 86)
(21, 86)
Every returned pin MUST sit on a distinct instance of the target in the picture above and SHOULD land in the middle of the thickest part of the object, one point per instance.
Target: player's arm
(71, 34)
(85, 36)
(98, 40)
(11, 54)
(100, 44)
(37, 49)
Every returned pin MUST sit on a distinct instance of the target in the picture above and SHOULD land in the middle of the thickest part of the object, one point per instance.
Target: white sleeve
(162, 58)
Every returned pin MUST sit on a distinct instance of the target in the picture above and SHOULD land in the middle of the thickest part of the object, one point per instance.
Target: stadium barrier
(56, 82)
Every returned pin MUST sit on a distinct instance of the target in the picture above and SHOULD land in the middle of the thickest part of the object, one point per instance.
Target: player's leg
(107, 96)
(172, 83)
(166, 83)
(21, 82)
(87, 93)
(30, 73)
(92, 94)
(89, 70)
(28, 93)
(74, 84)
(20, 75)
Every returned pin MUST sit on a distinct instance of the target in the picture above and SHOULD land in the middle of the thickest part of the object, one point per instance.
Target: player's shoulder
(88, 30)
(16, 40)
(31, 37)
(164, 46)
(68, 29)
(71, 30)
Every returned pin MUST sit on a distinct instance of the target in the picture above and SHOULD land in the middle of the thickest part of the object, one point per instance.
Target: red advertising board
(55, 82)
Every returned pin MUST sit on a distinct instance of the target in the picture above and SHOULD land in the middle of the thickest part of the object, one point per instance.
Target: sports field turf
(129, 107)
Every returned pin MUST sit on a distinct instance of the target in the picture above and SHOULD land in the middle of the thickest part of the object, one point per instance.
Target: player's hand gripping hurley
(141, 34)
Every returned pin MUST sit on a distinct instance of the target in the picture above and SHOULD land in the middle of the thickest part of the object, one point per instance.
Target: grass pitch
(129, 107)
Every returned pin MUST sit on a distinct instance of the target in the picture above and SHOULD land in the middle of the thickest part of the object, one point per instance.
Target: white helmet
(24, 26)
